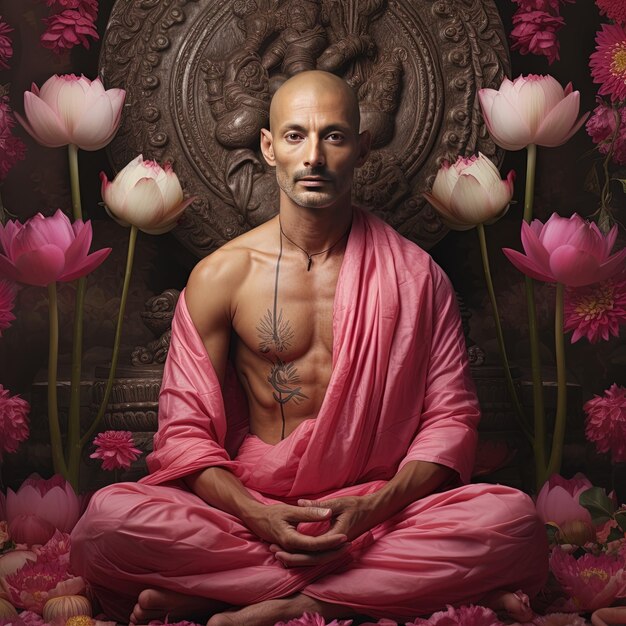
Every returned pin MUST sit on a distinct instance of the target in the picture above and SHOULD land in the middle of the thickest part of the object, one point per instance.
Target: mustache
(321, 172)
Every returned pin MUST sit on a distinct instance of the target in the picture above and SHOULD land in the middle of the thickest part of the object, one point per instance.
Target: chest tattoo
(275, 335)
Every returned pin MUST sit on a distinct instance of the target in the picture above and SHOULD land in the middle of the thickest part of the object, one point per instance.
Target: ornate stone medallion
(200, 75)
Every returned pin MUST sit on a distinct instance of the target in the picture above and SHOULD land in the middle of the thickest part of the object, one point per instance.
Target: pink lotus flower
(35, 583)
(601, 128)
(72, 110)
(41, 503)
(145, 195)
(606, 422)
(592, 582)
(535, 32)
(531, 110)
(116, 449)
(68, 29)
(13, 421)
(614, 9)
(47, 249)
(606, 63)
(470, 192)
(463, 616)
(7, 301)
(314, 619)
(6, 46)
(596, 311)
(557, 502)
(571, 251)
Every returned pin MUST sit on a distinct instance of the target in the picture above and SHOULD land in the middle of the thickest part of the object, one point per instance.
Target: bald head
(310, 89)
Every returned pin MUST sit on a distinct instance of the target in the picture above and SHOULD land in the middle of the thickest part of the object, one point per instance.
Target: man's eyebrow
(289, 126)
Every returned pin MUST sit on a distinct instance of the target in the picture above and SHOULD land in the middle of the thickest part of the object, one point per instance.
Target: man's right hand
(277, 524)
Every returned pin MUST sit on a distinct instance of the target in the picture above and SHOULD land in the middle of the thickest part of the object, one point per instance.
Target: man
(332, 482)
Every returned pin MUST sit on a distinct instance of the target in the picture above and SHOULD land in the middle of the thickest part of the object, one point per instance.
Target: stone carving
(199, 77)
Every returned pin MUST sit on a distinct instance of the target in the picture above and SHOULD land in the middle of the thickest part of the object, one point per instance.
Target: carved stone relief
(200, 75)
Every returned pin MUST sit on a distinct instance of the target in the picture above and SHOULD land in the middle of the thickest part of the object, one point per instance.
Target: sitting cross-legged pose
(317, 422)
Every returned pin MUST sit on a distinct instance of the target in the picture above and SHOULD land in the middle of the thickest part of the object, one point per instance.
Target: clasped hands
(348, 517)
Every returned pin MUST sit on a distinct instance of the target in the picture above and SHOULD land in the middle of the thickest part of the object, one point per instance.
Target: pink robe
(400, 391)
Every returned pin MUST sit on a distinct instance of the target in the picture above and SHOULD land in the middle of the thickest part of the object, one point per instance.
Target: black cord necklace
(311, 255)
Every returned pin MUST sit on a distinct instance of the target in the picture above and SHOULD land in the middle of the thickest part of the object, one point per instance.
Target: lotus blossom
(614, 9)
(7, 300)
(145, 195)
(35, 583)
(531, 110)
(314, 619)
(13, 421)
(535, 32)
(571, 251)
(558, 500)
(72, 110)
(47, 249)
(606, 422)
(596, 311)
(608, 62)
(592, 582)
(463, 616)
(116, 449)
(41, 504)
(470, 192)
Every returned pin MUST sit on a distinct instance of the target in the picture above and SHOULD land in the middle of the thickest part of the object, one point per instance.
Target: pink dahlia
(116, 449)
(596, 311)
(606, 422)
(6, 46)
(608, 62)
(68, 29)
(13, 421)
(601, 128)
(36, 582)
(7, 300)
(591, 581)
(614, 9)
(534, 32)
(463, 616)
(314, 619)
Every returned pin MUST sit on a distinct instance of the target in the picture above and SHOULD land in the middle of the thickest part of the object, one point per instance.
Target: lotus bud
(65, 607)
(577, 532)
(7, 610)
(12, 561)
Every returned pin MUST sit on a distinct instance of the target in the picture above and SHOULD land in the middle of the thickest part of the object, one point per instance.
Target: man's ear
(365, 142)
(267, 147)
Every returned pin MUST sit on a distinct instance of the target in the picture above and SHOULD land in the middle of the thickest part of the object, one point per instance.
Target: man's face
(315, 147)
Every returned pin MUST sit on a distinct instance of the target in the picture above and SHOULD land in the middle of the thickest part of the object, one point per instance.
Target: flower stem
(58, 461)
(132, 240)
(556, 455)
(535, 358)
(519, 412)
(74, 448)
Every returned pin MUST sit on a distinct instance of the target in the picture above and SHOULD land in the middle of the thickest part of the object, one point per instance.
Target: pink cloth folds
(400, 389)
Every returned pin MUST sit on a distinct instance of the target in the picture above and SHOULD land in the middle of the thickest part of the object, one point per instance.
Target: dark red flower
(534, 32)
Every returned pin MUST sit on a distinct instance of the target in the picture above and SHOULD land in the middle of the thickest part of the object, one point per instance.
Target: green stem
(56, 445)
(74, 448)
(533, 332)
(132, 239)
(560, 421)
(521, 418)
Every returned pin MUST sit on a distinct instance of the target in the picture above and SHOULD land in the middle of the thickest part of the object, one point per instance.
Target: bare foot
(159, 604)
(283, 609)
(515, 605)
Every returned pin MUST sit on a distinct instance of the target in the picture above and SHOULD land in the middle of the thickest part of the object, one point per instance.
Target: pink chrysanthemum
(596, 311)
(314, 619)
(463, 616)
(6, 45)
(7, 301)
(534, 32)
(68, 29)
(13, 421)
(608, 62)
(116, 449)
(606, 422)
(590, 581)
(36, 582)
(601, 128)
(614, 9)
